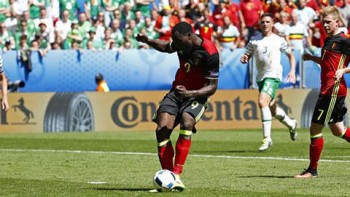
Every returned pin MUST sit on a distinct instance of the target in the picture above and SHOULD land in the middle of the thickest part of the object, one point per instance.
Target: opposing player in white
(267, 50)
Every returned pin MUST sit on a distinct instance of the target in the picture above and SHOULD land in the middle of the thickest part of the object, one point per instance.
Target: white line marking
(97, 182)
(154, 154)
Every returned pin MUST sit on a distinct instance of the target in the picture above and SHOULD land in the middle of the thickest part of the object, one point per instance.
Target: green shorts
(269, 86)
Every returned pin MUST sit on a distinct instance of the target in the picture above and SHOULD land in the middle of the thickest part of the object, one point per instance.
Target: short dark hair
(182, 28)
(266, 15)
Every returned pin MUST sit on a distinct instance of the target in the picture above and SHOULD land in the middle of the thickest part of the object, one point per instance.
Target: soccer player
(3, 79)
(266, 50)
(330, 108)
(195, 81)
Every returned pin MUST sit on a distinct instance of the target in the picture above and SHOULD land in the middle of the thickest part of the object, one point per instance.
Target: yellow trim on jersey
(163, 143)
(317, 136)
(335, 91)
(227, 39)
(296, 36)
(343, 133)
(185, 132)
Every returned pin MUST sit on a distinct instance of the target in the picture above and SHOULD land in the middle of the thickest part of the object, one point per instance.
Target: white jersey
(267, 53)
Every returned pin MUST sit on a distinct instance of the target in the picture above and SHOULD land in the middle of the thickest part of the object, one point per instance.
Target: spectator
(165, 22)
(4, 103)
(95, 42)
(43, 36)
(206, 27)
(143, 7)
(30, 22)
(108, 7)
(251, 11)
(100, 25)
(149, 26)
(83, 25)
(21, 6)
(281, 26)
(6, 37)
(297, 36)
(64, 25)
(101, 83)
(4, 10)
(92, 9)
(117, 34)
(35, 6)
(11, 21)
(73, 36)
(71, 6)
(228, 35)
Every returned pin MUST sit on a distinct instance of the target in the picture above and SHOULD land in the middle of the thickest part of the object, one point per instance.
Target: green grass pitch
(221, 163)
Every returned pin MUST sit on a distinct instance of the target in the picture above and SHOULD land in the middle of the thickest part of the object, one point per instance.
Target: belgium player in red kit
(195, 81)
(330, 108)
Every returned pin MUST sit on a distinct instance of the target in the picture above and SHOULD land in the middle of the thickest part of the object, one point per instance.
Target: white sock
(266, 121)
(283, 118)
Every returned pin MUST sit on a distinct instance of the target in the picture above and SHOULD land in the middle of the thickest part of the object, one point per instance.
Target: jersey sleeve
(213, 66)
(346, 46)
(285, 48)
(249, 49)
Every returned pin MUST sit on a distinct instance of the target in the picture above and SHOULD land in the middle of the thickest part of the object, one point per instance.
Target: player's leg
(336, 124)
(266, 118)
(316, 136)
(281, 116)
(267, 89)
(165, 125)
(315, 150)
(166, 119)
(192, 111)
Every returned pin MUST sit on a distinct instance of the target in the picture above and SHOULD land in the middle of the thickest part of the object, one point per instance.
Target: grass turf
(221, 163)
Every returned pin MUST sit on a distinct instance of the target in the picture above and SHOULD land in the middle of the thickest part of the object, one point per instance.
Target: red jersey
(200, 64)
(335, 55)
(206, 29)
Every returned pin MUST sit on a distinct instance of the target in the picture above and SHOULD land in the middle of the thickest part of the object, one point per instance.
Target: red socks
(346, 135)
(166, 154)
(316, 147)
(182, 149)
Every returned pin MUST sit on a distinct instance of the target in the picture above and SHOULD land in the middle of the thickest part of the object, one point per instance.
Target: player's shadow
(267, 176)
(122, 189)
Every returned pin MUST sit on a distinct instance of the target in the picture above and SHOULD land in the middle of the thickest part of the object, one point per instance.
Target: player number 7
(321, 110)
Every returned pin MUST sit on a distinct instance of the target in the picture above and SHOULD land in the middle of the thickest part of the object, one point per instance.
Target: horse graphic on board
(28, 113)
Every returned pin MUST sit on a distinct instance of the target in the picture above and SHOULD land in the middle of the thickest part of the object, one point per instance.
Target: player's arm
(4, 104)
(247, 54)
(291, 75)
(212, 75)
(159, 45)
(309, 57)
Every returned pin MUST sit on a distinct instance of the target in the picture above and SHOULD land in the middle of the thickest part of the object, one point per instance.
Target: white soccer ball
(164, 180)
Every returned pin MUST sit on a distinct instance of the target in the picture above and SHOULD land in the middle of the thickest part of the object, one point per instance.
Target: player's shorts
(335, 110)
(269, 86)
(176, 106)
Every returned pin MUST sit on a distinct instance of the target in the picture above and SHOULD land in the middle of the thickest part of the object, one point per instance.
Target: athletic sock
(182, 149)
(266, 121)
(166, 154)
(316, 147)
(284, 118)
(346, 135)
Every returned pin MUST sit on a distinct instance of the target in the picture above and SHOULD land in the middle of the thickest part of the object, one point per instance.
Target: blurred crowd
(113, 24)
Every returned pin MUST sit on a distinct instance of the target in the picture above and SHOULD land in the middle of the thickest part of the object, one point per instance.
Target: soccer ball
(164, 180)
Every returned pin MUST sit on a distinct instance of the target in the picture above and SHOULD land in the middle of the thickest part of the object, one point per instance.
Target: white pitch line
(154, 154)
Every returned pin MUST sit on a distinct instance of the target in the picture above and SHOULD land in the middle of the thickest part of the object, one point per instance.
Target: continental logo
(128, 112)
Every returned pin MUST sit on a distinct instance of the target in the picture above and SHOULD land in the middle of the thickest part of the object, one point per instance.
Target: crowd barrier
(133, 110)
(133, 70)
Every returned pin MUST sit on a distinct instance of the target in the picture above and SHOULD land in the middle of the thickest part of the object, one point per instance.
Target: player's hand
(244, 59)
(181, 91)
(5, 105)
(339, 74)
(291, 77)
(142, 38)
